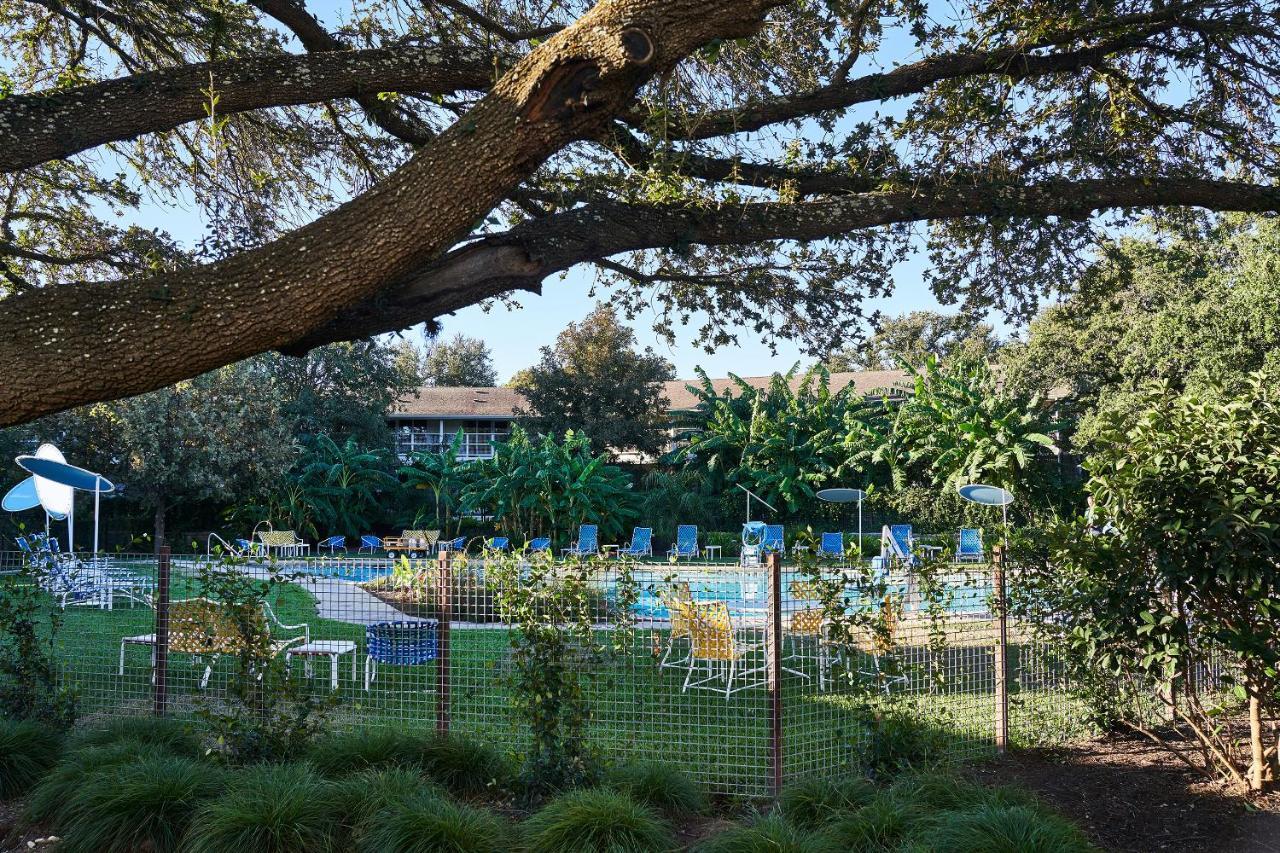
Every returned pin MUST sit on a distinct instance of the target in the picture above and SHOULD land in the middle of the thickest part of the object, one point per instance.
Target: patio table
(331, 649)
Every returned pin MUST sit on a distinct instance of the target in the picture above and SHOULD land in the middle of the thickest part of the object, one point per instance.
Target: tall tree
(459, 361)
(913, 338)
(596, 383)
(768, 176)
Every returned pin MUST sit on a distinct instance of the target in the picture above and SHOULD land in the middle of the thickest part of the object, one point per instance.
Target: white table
(712, 548)
(331, 649)
(609, 551)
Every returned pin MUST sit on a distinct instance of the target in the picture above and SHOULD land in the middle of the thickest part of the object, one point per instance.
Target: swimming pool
(351, 572)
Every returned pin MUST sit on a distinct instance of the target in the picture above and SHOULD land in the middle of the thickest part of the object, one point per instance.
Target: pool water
(353, 573)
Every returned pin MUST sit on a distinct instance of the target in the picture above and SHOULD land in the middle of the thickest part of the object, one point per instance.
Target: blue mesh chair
(369, 543)
(498, 543)
(332, 544)
(399, 644)
(458, 544)
(774, 539)
(969, 548)
(898, 542)
(540, 545)
(588, 542)
(832, 546)
(641, 543)
(686, 542)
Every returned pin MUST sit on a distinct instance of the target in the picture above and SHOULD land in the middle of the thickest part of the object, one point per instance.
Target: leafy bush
(175, 736)
(431, 824)
(878, 825)
(141, 805)
(270, 809)
(595, 819)
(812, 802)
(50, 797)
(659, 786)
(462, 765)
(768, 835)
(29, 624)
(27, 750)
(1002, 829)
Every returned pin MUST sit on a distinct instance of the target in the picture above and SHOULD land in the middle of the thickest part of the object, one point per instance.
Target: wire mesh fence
(744, 676)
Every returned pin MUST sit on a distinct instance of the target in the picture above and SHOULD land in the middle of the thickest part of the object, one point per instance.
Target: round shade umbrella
(844, 496)
(56, 481)
(21, 497)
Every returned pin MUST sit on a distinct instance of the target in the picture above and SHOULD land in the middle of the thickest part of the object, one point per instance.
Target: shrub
(340, 754)
(659, 786)
(937, 791)
(770, 834)
(464, 766)
(27, 750)
(142, 805)
(812, 802)
(431, 824)
(879, 825)
(175, 736)
(596, 819)
(1002, 829)
(50, 797)
(269, 809)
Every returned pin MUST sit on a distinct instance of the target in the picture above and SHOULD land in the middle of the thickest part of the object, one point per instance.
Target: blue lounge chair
(774, 540)
(399, 644)
(588, 542)
(540, 545)
(369, 543)
(897, 543)
(641, 543)
(458, 544)
(332, 544)
(969, 547)
(832, 546)
(686, 542)
(498, 543)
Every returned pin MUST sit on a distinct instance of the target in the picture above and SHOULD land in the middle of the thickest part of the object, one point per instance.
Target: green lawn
(639, 710)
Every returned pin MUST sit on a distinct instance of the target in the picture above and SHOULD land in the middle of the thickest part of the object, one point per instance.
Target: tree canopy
(762, 162)
(913, 338)
(458, 361)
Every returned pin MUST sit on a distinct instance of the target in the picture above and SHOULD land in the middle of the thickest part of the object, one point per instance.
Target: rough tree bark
(65, 346)
(39, 127)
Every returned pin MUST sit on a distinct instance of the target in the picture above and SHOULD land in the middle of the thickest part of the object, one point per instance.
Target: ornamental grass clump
(366, 793)
(140, 805)
(463, 766)
(810, 803)
(659, 786)
(595, 819)
(51, 796)
(28, 750)
(174, 736)
(429, 823)
(270, 809)
(339, 754)
(771, 834)
(879, 825)
(991, 828)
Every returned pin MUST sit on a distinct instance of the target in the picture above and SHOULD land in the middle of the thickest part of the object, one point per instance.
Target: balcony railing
(474, 445)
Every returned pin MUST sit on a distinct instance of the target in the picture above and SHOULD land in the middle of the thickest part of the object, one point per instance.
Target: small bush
(937, 791)
(368, 792)
(812, 802)
(432, 824)
(142, 805)
(1002, 829)
(879, 825)
(463, 766)
(659, 786)
(770, 834)
(175, 736)
(340, 754)
(269, 809)
(595, 819)
(27, 752)
(51, 796)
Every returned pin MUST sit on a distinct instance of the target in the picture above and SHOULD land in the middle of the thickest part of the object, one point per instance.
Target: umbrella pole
(97, 493)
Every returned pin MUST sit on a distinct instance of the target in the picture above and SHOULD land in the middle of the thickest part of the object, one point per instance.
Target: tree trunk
(66, 346)
(159, 526)
(1258, 771)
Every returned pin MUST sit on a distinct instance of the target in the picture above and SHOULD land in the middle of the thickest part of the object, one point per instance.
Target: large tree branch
(51, 125)
(1016, 62)
(74, 344)
(522, 258)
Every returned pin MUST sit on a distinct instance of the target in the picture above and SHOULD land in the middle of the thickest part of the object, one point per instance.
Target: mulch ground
(1129, 795)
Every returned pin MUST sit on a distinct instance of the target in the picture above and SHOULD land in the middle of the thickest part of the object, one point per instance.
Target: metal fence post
(445, 598)
(161, 649)
(1001, 648)
(773, 648)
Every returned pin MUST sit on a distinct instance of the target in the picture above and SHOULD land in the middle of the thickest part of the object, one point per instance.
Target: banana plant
(441, 474)
(341, 483)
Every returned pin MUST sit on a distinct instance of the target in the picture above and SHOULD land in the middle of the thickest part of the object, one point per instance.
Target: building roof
(682, 399)
(432, 402)
(429, 401)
